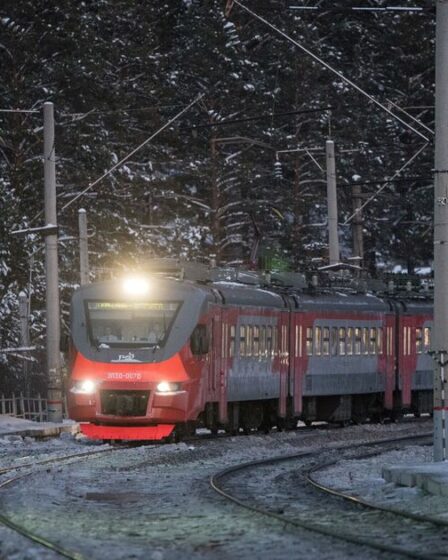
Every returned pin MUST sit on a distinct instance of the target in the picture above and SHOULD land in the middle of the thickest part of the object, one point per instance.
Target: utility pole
(83, 247)
(440, 330)
(358, 244)
(24, 335)
(333, 239)
(52, 272)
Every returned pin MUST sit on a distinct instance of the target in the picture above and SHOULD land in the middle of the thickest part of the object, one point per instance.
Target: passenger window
(274, 341)
(268, 341)
(349, 348)
(249, 340)
(427, 338)
(365, 340)
(342, 335)
(256, 341)
(309, 341)
(358, 341)
(199, 341)
(285, 352)
(380, 340)
(317, 341)
(334, 341)
(418, 341)
(232, 341)
(372, 341)
(263, 341)
(325, 341)
(224, 340)
(242, 341)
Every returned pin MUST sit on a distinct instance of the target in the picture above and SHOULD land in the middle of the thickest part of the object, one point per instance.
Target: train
(184, 345)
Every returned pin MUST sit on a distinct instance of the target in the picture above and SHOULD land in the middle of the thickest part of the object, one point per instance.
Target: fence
(24, 407)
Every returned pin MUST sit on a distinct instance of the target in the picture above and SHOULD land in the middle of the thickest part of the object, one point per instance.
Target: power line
(138, 148)
(18, 111)
(396, 174)
(420, 179)
(329, 67)
(262, 117)
(401, 9)
(121, 111)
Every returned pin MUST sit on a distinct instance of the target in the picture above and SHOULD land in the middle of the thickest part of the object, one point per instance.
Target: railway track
(378, 528)
(19, 472)
(21, 529)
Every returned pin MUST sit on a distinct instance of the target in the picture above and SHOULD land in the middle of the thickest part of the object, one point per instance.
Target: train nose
(124, 403)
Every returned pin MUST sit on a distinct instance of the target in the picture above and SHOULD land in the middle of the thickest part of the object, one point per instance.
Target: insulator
(278, 173)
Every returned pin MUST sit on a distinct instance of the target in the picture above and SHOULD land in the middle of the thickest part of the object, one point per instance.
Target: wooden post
(39, 407)
(3, 404)
(14, 405)
(22, 406)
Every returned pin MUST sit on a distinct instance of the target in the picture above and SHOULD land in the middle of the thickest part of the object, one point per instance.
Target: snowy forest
(118, 70)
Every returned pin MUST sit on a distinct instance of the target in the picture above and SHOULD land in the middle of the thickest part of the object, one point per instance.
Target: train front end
(131, 372)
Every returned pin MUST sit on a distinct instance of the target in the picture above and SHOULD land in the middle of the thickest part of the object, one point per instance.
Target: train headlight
(135, 286)
(84, 387)
(165, 387)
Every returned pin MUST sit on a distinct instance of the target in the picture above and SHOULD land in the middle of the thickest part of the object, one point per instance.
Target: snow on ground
(154, 502)
(362, 478)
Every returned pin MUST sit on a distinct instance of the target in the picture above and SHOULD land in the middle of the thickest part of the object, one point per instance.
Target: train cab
(135, 372)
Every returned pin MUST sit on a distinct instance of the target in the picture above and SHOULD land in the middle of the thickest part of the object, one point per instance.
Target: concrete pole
(333, 239)
(83, 247)
(440, 330)
(358, 244)
(24, 335)
(52, 272)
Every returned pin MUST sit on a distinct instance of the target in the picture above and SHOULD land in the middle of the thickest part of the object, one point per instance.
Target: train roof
(338, 301)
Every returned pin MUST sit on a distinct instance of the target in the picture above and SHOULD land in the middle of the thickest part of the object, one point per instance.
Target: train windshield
(130, 323)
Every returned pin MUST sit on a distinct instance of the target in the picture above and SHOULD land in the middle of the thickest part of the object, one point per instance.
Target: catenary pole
(358, 245)
(333, 239)
(51, 272)
(83, 247)
(440, 330)
(24, 335)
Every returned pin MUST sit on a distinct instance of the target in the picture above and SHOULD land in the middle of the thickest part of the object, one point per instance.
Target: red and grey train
(157, 357)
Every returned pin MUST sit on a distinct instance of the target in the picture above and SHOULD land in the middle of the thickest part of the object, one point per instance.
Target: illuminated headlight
(84, 387)
(135, 286)
(166, 387)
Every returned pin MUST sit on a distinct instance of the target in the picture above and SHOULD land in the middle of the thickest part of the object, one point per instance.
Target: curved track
(4, 520)
(333, 520)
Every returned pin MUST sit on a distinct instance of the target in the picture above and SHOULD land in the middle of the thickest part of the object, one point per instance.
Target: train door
(406, 354)
(297, 368)
(217, 382)
(283, 354)
(388, 357)
(225, 363)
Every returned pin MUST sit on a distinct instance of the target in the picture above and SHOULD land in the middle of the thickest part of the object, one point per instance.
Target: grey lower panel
(422, 379)
(253, 387)
(343, 384)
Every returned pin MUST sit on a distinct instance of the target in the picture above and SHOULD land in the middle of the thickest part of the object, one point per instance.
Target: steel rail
(360, 501)
(219, 476)
(20, 529)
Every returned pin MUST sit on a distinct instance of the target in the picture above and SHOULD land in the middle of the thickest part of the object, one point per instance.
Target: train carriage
(414, 320)
(162, 355)
(343, 364)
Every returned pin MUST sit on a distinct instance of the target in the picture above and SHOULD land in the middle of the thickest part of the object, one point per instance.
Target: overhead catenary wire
(19, 111)
(362, 9)
(331, 69)
(134, 151)
(262, 117)
(396, 174)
